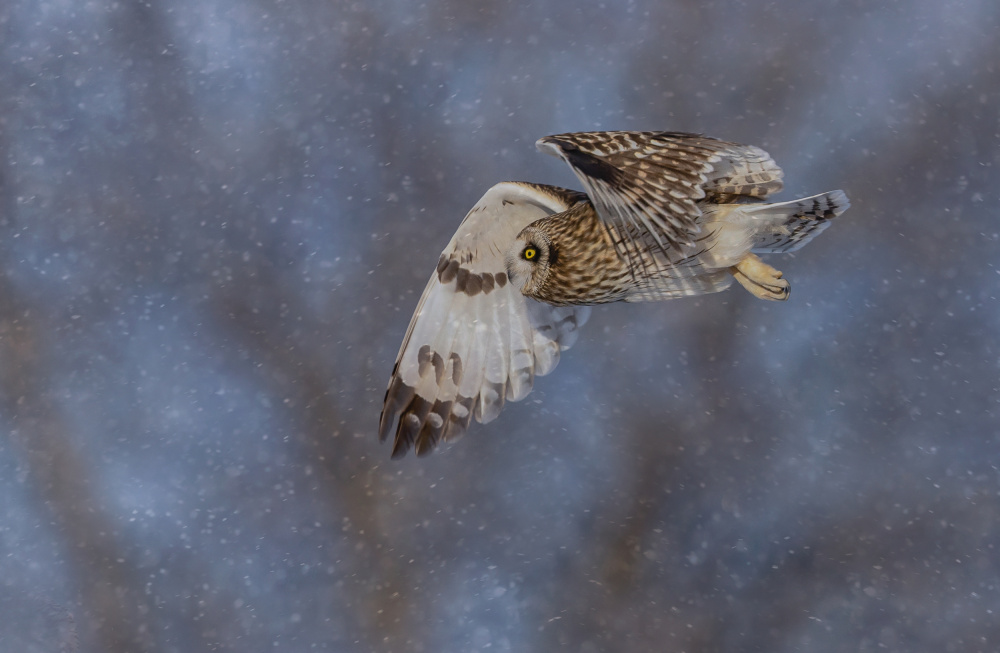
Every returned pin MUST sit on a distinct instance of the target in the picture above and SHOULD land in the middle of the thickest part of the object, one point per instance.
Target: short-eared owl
(665, 215)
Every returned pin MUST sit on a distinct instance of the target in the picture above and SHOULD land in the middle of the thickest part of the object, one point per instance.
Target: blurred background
(216, 217)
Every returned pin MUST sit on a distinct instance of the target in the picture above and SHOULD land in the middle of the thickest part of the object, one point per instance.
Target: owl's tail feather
(787, 226)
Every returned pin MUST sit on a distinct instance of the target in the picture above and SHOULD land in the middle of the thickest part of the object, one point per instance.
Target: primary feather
(475, 341)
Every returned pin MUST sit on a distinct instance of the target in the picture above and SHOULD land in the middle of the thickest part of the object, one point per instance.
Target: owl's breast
(583, 265)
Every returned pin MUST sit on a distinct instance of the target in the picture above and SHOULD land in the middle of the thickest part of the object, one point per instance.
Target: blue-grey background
(216, 217)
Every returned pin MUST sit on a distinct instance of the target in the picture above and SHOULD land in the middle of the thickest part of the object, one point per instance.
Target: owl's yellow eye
(529, 253)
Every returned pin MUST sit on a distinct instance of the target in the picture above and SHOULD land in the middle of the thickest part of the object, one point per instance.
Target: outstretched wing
(475, 340)
(648, 184)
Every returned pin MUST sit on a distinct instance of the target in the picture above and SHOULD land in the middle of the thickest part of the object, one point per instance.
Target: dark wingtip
(399, 450)
(587, 163)
(411, 420)
(404, 438)
(551, 145)
(397, 396)
(383, 432)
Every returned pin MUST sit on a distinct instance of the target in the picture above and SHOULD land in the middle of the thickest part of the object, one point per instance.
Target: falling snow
(217, 218)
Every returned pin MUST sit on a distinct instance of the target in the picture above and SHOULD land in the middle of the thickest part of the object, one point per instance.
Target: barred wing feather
(648, 185)
(475, 341)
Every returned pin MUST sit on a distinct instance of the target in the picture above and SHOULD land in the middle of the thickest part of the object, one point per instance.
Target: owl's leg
(760, 279)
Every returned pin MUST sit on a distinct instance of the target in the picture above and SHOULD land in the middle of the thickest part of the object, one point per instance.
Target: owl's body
(587, 269)
(665, 215)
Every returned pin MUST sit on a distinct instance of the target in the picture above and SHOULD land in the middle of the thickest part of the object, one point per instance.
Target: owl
(665, 215)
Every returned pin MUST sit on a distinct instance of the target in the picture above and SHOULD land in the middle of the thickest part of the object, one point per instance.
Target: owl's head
(529, 260)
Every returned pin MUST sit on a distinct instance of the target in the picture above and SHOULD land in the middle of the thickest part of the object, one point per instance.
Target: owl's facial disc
(527, 260)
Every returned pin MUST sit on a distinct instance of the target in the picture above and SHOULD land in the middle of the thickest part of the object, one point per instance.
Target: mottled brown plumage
(666, 215)
(583, 267)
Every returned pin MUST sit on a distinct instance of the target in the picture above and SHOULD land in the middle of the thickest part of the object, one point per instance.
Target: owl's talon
(760, 279)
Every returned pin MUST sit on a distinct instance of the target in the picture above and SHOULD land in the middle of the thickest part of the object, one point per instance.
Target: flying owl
(665, 215)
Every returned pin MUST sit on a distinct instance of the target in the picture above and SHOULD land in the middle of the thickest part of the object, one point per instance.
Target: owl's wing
(475, 340)
(648, 184)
